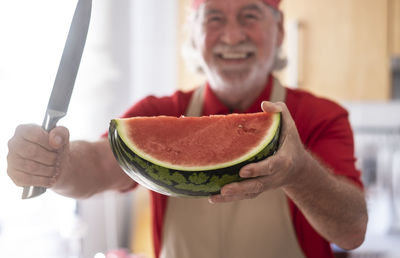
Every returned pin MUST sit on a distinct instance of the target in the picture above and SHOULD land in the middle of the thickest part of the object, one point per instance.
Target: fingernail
(262, 104)
(245, 173)
(58, 140)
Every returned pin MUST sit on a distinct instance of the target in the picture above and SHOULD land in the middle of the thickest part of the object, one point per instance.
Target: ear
(192, 41)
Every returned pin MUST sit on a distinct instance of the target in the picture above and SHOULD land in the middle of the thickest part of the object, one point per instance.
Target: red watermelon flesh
(207, 141)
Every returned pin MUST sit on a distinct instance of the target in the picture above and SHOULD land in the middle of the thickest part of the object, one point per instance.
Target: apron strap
(278, 92)
(195, 107)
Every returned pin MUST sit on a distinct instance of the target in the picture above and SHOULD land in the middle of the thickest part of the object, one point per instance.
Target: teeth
(234, 55)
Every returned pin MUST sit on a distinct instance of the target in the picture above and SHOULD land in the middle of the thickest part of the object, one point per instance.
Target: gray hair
(192, 56)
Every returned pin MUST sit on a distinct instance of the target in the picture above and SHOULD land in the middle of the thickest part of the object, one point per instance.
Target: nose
(233, 34)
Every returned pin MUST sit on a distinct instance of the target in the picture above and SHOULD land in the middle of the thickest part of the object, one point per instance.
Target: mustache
(242, 47)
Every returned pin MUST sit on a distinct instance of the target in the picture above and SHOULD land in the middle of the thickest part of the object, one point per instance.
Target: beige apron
(256, 228)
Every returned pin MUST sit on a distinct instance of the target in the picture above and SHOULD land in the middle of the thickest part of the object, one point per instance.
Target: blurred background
(346, 50)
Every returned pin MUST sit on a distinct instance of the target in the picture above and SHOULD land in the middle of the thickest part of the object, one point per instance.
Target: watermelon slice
(192, 156)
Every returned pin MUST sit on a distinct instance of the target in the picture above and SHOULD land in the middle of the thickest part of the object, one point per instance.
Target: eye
(251, 16)
(214, 19)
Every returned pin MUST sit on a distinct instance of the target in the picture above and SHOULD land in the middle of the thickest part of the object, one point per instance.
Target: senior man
(294, 204)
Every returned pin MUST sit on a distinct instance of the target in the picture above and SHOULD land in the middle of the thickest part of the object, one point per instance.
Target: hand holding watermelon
(279, 170)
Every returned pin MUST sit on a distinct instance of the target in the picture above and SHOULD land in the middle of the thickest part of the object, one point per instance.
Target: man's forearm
(90, 168)
(333, 205)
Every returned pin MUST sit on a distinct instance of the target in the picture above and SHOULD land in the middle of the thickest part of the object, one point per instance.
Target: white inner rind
(269, 135)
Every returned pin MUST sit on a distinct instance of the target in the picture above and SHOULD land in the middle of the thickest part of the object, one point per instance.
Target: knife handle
(50, 121)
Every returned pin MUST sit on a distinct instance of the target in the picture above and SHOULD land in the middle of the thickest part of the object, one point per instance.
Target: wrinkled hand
(275, 171)
(36, 157)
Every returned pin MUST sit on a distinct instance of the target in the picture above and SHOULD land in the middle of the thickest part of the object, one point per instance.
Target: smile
(235, 55)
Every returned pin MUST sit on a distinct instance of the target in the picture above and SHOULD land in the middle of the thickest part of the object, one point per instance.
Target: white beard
(236, 84)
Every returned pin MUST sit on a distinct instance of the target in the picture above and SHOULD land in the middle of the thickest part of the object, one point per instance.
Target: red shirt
(323, 127)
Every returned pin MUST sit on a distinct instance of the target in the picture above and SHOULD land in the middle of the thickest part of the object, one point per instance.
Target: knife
(65, 78)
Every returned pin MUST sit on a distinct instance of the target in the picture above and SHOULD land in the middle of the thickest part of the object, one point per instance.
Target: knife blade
(66, 75)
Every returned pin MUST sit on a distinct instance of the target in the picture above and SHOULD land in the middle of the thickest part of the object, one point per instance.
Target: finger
(22, 179)
(59, 137)
(30, 166)
(31, 151)
(287, 120)
(222, 199)
(267, 106)
(246, 187)
(34, 134)
(266, 167)
(271, 107)
(288, 126)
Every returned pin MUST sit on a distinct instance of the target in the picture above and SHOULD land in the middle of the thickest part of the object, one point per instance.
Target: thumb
(271, 107)
(59, 137)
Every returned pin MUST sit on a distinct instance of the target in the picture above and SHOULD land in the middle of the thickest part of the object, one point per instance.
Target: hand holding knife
(66, 75)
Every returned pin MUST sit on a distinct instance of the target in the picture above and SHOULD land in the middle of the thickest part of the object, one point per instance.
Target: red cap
(273, 3)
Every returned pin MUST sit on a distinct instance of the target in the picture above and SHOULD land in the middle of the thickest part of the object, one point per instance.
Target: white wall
(129, 53)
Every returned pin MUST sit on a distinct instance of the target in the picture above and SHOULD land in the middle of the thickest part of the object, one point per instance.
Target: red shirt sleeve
(325, 130)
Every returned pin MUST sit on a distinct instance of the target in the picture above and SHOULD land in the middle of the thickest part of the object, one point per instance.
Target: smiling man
(237, 42)
(294, 204)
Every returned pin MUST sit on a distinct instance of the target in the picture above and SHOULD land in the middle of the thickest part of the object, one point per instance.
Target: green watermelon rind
(267, 139)
(183, 183)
